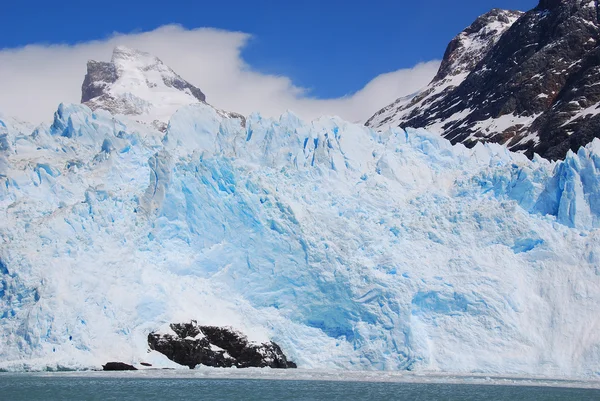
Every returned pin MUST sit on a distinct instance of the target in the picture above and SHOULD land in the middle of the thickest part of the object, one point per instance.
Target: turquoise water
(96, 387)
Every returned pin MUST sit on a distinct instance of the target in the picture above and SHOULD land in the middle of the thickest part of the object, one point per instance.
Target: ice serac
(348, 247)
(138, 84)
(535, 90)
(160, 176)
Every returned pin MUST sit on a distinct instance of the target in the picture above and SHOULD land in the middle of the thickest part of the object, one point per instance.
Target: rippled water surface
(133, 386)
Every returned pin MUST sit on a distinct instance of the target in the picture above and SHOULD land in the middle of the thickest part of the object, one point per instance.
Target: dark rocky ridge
(193, 345)
(458, 59)
(180, 84)
(462, 55)
(544, 70)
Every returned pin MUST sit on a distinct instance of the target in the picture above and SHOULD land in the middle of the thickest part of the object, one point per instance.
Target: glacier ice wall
(350, 248)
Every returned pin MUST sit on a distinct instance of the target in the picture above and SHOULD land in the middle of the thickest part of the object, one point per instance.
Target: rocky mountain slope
(531, 84)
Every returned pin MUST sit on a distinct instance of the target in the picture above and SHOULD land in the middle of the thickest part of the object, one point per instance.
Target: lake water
(136, 386)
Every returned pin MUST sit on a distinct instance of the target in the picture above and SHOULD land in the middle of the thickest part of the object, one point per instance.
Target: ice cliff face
(349, 248)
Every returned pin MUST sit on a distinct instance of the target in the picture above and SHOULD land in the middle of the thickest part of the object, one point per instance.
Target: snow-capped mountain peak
(462, 55)
(471, 45)
(138, 84)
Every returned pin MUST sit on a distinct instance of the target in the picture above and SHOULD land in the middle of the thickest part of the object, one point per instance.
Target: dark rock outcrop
(100, 75)
(536, 89)
(114, 366)
(192, 345)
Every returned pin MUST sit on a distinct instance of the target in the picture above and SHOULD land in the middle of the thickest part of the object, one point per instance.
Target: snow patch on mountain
(463, 54)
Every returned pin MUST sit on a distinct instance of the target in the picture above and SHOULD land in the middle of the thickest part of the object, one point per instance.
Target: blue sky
(332, 47)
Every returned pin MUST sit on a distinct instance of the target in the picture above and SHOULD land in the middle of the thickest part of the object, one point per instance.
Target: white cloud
(36, 78)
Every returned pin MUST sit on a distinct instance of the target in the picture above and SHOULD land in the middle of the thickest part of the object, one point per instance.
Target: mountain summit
(533, 86)
(138, 84)
(462, 56)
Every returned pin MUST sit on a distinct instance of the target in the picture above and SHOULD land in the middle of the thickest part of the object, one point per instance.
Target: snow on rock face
(192, 345)
(139, 84)
(462, 55)
(349, 248)
(467, 49)
(530, 83)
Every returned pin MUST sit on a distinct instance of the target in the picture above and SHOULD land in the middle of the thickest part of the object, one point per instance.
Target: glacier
(351, 248)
